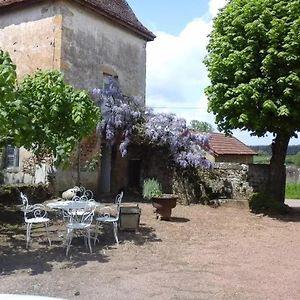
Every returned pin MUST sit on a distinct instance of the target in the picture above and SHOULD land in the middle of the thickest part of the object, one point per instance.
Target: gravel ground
(202, 253)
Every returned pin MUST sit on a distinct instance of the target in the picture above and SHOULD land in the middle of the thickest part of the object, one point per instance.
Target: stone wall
(223, 181)
(32, 45)
(92, 45)
(258, 176)
(292, 174)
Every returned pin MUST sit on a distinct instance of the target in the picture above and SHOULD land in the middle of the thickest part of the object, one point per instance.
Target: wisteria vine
(122, 114)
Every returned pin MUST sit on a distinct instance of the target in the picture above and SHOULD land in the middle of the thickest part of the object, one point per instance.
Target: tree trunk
(78, 169)
(277, 175)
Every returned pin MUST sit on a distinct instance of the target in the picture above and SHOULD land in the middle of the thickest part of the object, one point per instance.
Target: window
(11, 156)
(106, 78)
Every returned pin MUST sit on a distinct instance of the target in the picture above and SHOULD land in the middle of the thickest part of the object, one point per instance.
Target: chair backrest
(35, 211)
(82, 198)
(24, 200)
(89, 194)
(79, 212)
(82, 191)
(118, 202)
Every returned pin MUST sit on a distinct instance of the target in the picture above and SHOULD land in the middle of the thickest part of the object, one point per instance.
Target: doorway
(134, 173)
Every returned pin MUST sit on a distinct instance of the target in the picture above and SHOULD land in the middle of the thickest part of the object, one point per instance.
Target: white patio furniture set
(78, 215)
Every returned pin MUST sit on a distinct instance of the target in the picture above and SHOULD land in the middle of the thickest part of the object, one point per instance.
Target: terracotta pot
(164, 205)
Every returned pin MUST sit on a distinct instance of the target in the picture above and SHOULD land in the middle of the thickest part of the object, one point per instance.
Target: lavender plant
(122, 114)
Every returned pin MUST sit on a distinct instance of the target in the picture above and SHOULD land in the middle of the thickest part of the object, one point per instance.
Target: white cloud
(176, 75)
(215, 5)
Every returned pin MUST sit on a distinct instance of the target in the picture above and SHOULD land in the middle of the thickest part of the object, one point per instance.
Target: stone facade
(85, 45)
(224, 181)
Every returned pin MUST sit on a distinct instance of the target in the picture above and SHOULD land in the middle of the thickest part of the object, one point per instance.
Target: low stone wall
(258, 176)
(38, 193)
(292, 174)
(224, 181)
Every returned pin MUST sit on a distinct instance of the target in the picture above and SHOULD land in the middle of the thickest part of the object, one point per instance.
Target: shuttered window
(12, 156)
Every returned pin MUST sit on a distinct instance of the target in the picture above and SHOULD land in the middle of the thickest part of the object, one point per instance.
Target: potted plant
(163, 203)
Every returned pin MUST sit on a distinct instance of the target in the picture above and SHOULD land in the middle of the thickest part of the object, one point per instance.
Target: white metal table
(66, 204)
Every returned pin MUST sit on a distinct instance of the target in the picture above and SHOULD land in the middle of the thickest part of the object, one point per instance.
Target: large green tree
(253, 63)
(201, 126)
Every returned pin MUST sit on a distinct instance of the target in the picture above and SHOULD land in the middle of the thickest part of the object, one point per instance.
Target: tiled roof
(228, 145)
(118, 10)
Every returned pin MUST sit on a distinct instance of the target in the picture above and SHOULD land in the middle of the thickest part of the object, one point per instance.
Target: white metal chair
(34, 214)
(82, 191)
(109, 218)
(78, 217)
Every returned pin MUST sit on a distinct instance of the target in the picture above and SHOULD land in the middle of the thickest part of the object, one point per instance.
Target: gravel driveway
(202, 253)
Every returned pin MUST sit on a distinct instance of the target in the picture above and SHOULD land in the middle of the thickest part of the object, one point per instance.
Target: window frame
(12, 157)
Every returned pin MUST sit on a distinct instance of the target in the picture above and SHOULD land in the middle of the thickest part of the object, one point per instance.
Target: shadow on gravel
(179, 220)
(40, 257)
(292, 214)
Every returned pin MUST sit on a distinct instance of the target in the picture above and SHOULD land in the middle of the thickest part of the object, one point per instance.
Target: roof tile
(119, 10)
(222, 145)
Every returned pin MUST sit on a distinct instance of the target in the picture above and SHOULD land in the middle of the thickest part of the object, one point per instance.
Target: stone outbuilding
(88, 40)
(229, 149)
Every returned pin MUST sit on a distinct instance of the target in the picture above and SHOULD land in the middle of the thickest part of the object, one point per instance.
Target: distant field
(262, 159)
(265, 159)
(292, 191)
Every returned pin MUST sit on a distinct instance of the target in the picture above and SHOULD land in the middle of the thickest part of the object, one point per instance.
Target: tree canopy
(201, 126)
(7, 92)
(43, 114)
(53, 116)
(253, 63)
(254, 66)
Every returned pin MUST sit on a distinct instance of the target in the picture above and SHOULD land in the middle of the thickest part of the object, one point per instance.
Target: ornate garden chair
(109, 218)
(34, 214)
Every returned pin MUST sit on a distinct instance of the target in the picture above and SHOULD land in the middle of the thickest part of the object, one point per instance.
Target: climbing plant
(124, 115)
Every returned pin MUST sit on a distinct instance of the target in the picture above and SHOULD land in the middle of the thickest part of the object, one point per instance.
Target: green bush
(261, 203)
(10, 194)
(151, 188)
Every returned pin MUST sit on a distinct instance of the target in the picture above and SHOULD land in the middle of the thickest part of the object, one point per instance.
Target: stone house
(88, 40)
(229, 149)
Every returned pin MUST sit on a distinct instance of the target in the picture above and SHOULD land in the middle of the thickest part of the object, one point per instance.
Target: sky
(176, 75)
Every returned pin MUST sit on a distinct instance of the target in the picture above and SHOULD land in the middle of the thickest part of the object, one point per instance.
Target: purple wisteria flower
(121, 114)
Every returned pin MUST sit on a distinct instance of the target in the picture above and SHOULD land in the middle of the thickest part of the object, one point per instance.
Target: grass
(262, 159)
(292, 191)
(265, 159)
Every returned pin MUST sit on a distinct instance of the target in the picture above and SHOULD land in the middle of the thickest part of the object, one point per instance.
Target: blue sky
(166, 15)
(176, 75)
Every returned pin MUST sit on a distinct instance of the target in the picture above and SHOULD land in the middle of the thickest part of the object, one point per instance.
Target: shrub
(151, 188)
(10, 194)
(261, 203)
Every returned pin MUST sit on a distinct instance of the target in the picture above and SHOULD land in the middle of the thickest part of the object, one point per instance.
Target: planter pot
(164, 205)
(129, 217)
